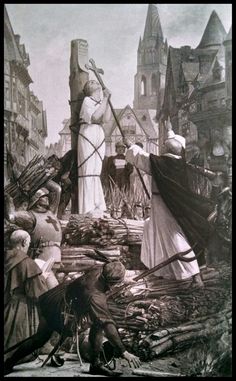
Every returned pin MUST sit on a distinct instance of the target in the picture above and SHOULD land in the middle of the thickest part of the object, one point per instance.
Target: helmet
(40, 193)
(120, 144)
(113, 272)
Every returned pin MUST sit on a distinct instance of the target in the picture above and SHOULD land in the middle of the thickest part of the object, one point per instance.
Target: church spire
(153, 24)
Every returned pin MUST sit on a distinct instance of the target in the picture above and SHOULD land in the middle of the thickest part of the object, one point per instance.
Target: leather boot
(99, 368)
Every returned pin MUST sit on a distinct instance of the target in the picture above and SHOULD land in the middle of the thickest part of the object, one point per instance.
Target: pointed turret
(153, 24)
(229, 35)
(214, 33)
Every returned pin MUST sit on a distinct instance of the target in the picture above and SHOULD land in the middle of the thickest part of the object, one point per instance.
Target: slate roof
(11, 50)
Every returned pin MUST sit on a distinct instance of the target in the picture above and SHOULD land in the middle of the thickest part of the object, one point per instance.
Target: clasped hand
(106, 93)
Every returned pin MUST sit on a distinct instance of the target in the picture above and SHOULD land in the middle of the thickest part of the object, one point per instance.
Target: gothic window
(154, 84)
(21, 104)
(143, 85)
(217, 70)
(222, 102)
(212, 104)
(13, 134)
(7, 91)
(193, 107)
(14, 92)
(153, 56)
(162, 84)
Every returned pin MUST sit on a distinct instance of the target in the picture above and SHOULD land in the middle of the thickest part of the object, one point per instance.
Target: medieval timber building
(198, 96)
(25, 124)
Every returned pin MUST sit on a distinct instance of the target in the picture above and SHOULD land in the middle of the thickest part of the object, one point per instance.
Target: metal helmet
(120, 144)
(113, 272)
(40, 193)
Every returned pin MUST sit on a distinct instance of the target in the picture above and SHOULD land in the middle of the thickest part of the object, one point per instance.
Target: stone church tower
(149, 82)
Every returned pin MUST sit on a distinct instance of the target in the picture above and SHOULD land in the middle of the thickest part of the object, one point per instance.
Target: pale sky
(112, 32)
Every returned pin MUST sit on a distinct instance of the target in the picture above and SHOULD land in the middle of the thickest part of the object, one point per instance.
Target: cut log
(152, 373)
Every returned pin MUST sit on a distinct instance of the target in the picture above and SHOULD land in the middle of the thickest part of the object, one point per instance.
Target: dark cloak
(190, 210)
(23, 284)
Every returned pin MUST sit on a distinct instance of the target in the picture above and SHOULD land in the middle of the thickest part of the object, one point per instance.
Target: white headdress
(172, 135)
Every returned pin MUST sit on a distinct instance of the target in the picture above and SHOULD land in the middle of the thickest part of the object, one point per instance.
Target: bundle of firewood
(179, 337)
(84, 230)
(83, 257)
(30, 180)
(158, 316)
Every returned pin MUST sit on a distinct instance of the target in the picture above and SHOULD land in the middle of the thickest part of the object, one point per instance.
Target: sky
(112, 32)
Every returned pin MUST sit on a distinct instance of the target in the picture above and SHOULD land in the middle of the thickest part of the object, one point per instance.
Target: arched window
(154, 84)
(143, 85)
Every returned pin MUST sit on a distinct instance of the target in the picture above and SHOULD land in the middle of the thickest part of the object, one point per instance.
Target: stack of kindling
(84, 230)
(175, 317)
(83, 257)
(30, 180)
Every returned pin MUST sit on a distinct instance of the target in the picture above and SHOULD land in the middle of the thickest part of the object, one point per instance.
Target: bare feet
(197, 281)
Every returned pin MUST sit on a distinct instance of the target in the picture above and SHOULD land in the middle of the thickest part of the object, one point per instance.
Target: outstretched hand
(132, 359)
(127, 142)
(168, 124)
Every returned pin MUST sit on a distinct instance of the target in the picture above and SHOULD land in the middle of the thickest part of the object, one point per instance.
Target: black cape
(190, 210)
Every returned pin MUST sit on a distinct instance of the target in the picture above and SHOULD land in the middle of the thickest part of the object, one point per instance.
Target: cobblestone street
(71, 368)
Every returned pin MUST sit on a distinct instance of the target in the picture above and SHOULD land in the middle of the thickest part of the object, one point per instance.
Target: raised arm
(55, 191)
(136, 156)
(103, 111)
(23, 219)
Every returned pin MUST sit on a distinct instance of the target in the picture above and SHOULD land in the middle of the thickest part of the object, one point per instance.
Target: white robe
(136, 187)
(162, 235)
(90, 192)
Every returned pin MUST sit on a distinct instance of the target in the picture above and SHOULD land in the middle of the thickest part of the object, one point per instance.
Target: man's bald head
(20, 238)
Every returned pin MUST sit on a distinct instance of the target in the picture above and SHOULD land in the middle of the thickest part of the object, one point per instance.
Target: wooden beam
(78, 77)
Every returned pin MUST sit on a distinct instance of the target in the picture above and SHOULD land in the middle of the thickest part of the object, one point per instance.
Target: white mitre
(179, 138)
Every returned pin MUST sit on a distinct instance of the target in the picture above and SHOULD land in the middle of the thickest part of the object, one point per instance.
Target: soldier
(41, 222)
